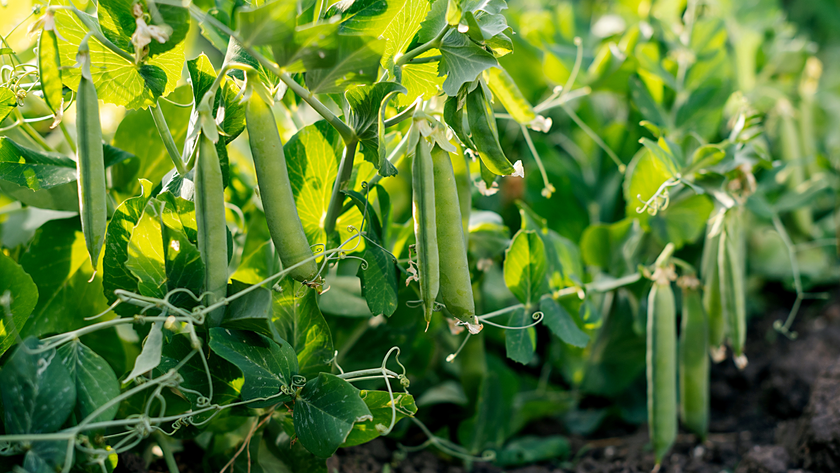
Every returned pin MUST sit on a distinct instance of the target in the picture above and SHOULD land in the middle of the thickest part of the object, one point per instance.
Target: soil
(781, 414)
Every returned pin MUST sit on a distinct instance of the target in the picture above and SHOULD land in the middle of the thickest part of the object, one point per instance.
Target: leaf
(358, 63)
(644, 176)
(525, 266)
(118, 24)
(298, 319)
(312, 157)
(648, 107)
(96, 383)
(532, 449)
(520, 345)
(683, 221)
(149, 357)
(365, 17)
(507, 92)
(606, 245)
(24, 296)
(379, 280)
(117, 80)
(8, 101)
(434, 22)
(290, 452)
(379, 403)
(265, 364)
(146, 256)
(367, 106)
(59, 265)
(325, 412)
(37, 391)
(310, 47)
(487, 427)
(34, 169)
(46, 456)
(420, 80)
(461, 61)
(251, 311)
(401, 29)
(115, 273)
(183, 265)
(561, 323)
(273, 22)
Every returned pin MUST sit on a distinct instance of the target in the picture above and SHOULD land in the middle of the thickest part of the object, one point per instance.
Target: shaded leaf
(96, 383)
(561, 323)
(24, 296)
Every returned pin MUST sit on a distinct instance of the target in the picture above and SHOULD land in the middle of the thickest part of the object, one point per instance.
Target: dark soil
(779, 415)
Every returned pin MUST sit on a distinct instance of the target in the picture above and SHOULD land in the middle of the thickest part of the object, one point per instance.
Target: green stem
(424, 60)
(168, 141)
(435, 43)
(400, 117)
(92, 26)
(345, 170)
(67, 136)
(32, 133)
(163, 443)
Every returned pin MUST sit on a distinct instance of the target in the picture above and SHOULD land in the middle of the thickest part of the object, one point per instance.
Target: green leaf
(683, 221)
(344, 298)
(520, 345)
(24, 296)
(115, 273)
(525, 266)
(648, 107)
(251, 311)
(365, 17)
(146, 257)
(312, 157)
(117, 80)
(379, 403)
(704, 157)
(183, 264)
(67, 291)
(420, 80)
(265, 364)
(561, 323)
(358, 63)
(96, 383)
(290, 452)
(273, 22)
(8, 101)
(116, 18)
(434, 22)
(37, 391)
(379, 280)
(226, 104)
(606, 245)
(462, 61)
(325, 412)
(149, 357)
(34, 169)
(507, 92)
(46, 456)
(298, 319)
(644, 176)
(487, 427)
(310, 47)
(401, 29)
(367, 107)
(532, 449)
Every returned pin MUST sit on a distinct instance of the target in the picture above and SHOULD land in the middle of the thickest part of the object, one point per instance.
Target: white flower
(541, 124)
(144, 34)
(519, 169)
(483, 190)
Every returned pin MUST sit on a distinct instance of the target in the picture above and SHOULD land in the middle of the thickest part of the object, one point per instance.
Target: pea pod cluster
(281, 215)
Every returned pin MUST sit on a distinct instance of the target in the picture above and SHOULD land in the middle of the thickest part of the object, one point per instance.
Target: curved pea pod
(211, 226)
(49, 67)
(276, 190)
(425, 227)
(694, 360)
(732, 296)
(711, 291)
(90, 164)
(662, 368)
(455, 285)
(484, 134)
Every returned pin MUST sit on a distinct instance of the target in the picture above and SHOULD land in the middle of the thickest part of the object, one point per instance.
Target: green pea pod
(662, 368)
(694, 360)
(49, 67)
(211, 226)
(425, 227)
(455, 285)
(732, 297)
(90, 164)
(485, 135)
(276, 190)
(791, 152)
(711, 290)
(453, 115)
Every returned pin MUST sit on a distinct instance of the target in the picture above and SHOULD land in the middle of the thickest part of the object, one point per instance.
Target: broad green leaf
(290, 452)
(525, 266)
(265, 364)
(149, 357)
(46, 456)
(251, 311)
(367, 106)
(649, 61)
(115, 273)
(507, 92)
(63, 197)
(461, 61)
(59, 265)
(273, 22)
(401, 29)
(258, 264)
(344, 298)
(532, 449)
(298, 319)
(183, 264)
(312, 157)
(34, 169)
(644, 176)
(662, 152)
(379, 280)
(37, 391)
(146, 255)
(8, 101)
(357, 63)
(434, 22)
(617, 354)
(325, 412)
(420, 80)
(379, 403)
(117, 21)
(647, 106)
(366, 17)
(604, 245)
(311, 47)
(117, 80)
(96, 383)
(520, 345)
(487, 427)
(24, 296)
(704, 157)
(683, 221)
(561, 323)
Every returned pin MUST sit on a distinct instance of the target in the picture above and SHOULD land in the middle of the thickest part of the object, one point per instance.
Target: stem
(435, 43)
(32, 133)
(93, 27)
(168, 141)
(163, 443)
(345, 170)
(400, 117)
(424, 60)
(67, 136)
(394, 158)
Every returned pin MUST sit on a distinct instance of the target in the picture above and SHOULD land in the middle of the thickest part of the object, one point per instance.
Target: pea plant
(274, 297)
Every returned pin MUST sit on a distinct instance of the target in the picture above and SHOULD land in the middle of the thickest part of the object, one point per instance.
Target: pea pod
(694, 359)
(276, 190)
(49, 67)
(90, 161)
(711, 289)
(662, 361)
(791, 152)
(211, 226)
(484, 134)
(455, 284)
(425, 227)
(731, 274)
